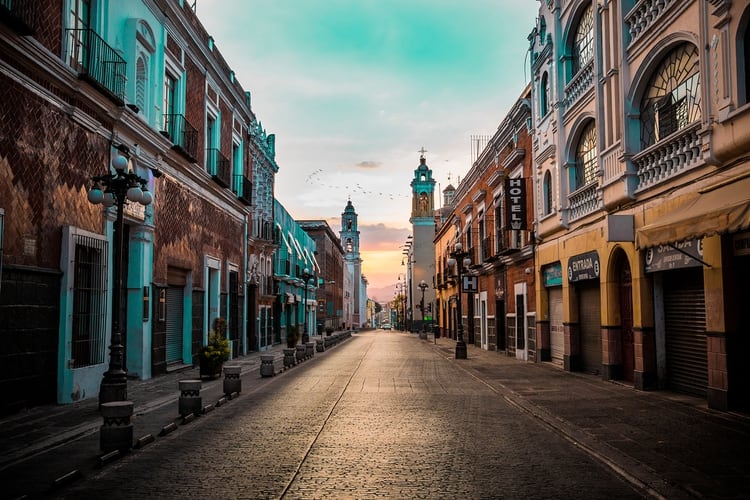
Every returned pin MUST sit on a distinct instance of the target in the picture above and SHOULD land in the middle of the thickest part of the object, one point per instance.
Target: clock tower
(353, 313)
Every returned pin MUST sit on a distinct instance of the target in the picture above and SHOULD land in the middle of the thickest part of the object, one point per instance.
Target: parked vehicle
(385, 326)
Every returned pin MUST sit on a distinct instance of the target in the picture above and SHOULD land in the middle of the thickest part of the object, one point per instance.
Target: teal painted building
(296, 253)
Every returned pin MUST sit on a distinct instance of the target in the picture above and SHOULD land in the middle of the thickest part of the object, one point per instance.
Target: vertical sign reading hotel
(515, 203)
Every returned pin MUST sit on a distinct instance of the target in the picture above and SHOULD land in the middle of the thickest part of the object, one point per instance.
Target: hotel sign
(583, 267)
(515, 204)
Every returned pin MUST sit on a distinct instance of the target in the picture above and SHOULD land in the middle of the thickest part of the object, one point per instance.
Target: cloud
(369, 164)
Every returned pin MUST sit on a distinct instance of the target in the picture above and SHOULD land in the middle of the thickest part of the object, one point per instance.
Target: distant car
(385, 326)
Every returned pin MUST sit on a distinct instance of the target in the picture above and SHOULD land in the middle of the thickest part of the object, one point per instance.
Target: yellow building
(641, 116)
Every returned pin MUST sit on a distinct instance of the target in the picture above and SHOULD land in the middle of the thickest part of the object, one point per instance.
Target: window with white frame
(498, 223)
(84, 264)
(544, 95)
(145, 49)
(547, 193)
(484, 251)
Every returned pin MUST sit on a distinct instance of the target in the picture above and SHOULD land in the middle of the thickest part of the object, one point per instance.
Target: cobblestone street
(383, 416)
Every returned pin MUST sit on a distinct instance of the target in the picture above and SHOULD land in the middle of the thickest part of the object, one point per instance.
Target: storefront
(583, 278)
(552, 277)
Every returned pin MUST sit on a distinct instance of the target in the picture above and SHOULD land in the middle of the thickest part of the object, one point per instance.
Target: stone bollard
(190, 397)
(320, 345)
(300, 352)
(232, 380)
(309, 350)
(289, 358)
(116, 433)
(266, 365)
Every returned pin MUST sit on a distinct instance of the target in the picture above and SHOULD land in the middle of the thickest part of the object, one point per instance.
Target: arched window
(672, 100)
(586, 165)
(141, 80)
(547, 193)
(583, 42)
(145, 49)
(544, 95)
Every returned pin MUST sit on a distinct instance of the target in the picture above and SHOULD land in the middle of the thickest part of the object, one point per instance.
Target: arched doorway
(625, 292)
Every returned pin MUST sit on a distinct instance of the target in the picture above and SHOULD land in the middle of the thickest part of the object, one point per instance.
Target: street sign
(470, 284)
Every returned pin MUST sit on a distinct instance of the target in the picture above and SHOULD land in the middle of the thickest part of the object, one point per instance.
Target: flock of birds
(318, 178)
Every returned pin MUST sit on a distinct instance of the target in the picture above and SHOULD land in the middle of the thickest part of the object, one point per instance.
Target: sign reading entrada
(583, 267)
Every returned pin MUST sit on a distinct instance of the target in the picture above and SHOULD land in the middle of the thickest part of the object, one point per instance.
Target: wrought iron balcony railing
(486, 249)
(244, 189)
(219, 167)
(97, 62)
(182, 134)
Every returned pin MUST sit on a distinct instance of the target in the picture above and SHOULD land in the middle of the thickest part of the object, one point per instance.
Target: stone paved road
(382, 416)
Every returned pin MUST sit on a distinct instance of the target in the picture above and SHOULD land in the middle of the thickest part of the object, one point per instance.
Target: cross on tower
(422, 151)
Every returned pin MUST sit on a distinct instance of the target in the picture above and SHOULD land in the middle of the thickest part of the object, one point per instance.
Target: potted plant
(292, 335)
(329, 330)
(216, 351)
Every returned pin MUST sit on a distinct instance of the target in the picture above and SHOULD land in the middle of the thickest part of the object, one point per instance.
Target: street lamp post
(422, 286)
(460, 259)
(306, 278)
(116, 189)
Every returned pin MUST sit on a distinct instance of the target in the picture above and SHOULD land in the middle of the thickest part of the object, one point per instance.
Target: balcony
(584, 201)
(244, 189)
(644, 14)
(22, 16)
(579, 85)
(509, 241)
(97, 63)
(182, 134)
(219, 167)
(665, 159)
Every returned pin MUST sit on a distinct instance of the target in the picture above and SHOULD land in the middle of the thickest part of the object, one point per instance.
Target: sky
(354, 89)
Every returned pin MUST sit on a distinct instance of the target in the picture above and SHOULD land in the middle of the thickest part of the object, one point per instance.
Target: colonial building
(490, 213)
(296, 270)
(421, 255)
(641, 113)
(354, 299)
(261, 295)
(330, 258)
(96, 91)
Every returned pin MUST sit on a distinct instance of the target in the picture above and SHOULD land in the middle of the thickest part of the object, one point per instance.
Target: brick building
(490, 213)
(85, 85)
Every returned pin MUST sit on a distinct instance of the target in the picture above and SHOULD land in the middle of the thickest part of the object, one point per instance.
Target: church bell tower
(422, 257)
(353, 305)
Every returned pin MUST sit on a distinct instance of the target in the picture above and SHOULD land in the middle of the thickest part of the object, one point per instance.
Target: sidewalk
(667, 444)
(48, 446)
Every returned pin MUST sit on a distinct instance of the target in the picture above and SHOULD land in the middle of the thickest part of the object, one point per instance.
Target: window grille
(89, 301)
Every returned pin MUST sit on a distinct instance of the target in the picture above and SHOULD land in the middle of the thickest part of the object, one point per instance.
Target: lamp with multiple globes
(116, 189)
(460, 260)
